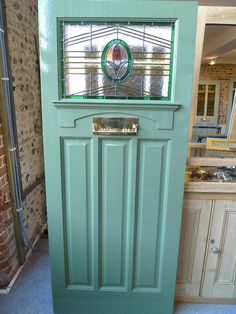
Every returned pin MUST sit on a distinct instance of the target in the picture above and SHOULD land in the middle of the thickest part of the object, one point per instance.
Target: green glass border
(171, 62)
(61, 24)
(61, 75)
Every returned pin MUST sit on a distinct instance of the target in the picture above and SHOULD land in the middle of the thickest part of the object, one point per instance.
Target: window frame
(61, 74)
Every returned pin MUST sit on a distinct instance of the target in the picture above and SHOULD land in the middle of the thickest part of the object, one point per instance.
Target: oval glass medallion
(116, 60)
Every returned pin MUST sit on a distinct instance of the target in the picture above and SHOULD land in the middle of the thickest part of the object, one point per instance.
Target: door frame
(231, 88)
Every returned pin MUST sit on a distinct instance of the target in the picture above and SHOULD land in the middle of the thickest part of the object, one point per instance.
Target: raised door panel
(129, 242)
(195, 221)
(77, 211)
(150, 193)
(220, 273)
(114, 208)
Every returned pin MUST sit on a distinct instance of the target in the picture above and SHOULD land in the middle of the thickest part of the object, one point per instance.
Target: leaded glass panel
(201, 99)
(211, 100)
(124, 60)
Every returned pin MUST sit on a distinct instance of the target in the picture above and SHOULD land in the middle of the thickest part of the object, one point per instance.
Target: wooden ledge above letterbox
(69, 112)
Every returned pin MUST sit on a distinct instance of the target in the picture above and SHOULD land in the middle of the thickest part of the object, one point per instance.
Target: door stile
(94, 197)
(131, 218)
(56, 203)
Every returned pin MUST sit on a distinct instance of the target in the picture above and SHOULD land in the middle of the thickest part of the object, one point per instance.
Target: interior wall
(222, 73)
(22, 28)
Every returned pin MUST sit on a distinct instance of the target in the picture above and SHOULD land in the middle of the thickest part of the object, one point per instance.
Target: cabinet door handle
(215, 250)
(204, 119)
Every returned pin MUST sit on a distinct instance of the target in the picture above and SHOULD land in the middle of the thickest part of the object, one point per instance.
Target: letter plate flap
(115, 126)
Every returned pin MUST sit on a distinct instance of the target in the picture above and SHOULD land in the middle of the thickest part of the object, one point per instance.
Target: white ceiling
(220, 43)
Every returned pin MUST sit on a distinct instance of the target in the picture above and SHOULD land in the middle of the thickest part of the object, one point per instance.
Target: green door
(116, 95)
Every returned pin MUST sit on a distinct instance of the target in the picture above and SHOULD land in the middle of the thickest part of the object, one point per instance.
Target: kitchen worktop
(211, 187)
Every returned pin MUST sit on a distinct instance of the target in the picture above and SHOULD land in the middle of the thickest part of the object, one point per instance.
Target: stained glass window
(201, 99)
(117, 60)
(211, 100)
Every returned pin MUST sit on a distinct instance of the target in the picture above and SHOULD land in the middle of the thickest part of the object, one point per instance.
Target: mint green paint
(149, 222)
(77, 159)
(114, 203)
(114, 163)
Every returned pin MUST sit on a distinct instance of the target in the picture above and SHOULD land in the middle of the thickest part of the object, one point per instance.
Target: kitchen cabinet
(195, 218)
(207, 253)
(220, 264)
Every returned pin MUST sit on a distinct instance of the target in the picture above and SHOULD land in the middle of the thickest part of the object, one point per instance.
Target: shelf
(210, 187)
(211, 161)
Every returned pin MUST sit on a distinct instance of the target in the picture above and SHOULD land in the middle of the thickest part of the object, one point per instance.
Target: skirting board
(11, 284)
(201, 300)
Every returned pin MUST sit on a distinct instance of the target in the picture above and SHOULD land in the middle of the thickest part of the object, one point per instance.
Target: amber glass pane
(211, 100)
(201, 99)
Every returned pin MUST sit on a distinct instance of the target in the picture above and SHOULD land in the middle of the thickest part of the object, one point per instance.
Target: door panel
(77, 211)
(225, 271)
(115, 162)
(194, 231)
(220, 274)
(115, 202)
(149, 214)
(114, 191)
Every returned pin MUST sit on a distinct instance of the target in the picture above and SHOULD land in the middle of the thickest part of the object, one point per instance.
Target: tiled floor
(32, 291)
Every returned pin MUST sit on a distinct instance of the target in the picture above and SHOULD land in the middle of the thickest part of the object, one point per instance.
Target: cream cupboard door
(195, 221)
(219, 278)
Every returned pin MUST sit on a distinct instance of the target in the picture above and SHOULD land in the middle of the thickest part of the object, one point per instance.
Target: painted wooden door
(193, 241)
(115, 188)
(219, 276)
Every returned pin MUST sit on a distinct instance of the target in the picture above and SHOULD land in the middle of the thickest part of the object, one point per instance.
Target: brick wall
(22, 28)
(222, 73)
(8, 254)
